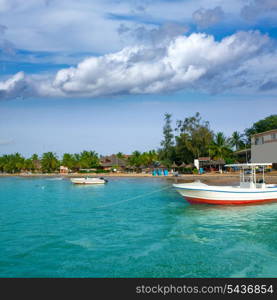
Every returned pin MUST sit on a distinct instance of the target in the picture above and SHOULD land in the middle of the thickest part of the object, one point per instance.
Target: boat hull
(88, 181)
(226, 195)
(226, 202)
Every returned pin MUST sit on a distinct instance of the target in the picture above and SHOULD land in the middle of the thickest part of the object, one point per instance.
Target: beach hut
(113, 162)
(185, 168)
(212, 165)
(182, 165)
(174, 166)
(191, 166)
(130, 169)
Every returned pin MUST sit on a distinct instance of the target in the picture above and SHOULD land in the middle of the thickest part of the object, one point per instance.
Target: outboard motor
(104, 179)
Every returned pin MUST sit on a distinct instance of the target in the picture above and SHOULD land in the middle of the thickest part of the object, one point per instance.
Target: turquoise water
(129, 228)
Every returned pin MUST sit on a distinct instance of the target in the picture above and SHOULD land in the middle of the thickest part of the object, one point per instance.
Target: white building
(264, 147)
(64, 170)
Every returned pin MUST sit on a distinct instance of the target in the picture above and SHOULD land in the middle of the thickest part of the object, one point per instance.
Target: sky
(100, 75)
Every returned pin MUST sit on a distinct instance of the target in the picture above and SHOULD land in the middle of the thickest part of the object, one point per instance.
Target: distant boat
(89, 180)
(248, 192)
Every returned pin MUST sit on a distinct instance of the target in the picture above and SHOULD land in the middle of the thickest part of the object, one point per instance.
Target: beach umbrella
(189, 166)
(174, 166)
(183, 165)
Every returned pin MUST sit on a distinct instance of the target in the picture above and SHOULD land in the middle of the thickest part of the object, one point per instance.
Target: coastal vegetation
(190, 139)
(49, 162)
(265, 124)
(194, 138)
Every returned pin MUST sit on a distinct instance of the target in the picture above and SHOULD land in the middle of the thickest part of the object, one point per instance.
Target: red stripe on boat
(226, 202)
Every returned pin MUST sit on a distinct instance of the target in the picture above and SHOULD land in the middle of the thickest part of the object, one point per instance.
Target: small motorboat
(250, 190)
(89, 180)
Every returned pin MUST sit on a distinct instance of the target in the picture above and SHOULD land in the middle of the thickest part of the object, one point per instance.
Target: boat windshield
(248, 174)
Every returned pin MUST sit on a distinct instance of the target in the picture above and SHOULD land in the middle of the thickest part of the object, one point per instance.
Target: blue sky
(99, 75)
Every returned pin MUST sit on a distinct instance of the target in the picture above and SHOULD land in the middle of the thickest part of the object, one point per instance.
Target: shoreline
(219, 178)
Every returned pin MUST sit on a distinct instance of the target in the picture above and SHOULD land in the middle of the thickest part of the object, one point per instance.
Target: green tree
(18, 160)
(237, 141)
(168, 139)
(12, 163)
(135, 159)
(182, 149)
(193, 139)
(220, 147)
(265, 124)
(152, 157)
(36, 162)
(148, 159)
(34, 157)
(77, 159)
(29, 165)
(89, 159)
(2, 163)
(69, 161)
(49, 162)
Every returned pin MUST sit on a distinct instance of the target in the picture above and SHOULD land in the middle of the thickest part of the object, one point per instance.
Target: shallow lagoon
(130, 227)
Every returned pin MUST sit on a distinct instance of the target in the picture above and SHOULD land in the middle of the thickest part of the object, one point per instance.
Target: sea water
(129, 227)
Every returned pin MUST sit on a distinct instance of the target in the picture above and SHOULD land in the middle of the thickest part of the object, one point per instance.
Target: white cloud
(196, 62)
(14, 86)
(186, 62)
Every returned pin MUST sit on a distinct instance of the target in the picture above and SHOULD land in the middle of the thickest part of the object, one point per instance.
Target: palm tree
(29, 165)
(152, 157)
(49, 162)
(34, 157)
(220, 147)
(12, 163)
(89, 159)
(36, 162)
(148, 158)
(135, 159)
(69, 161)
(236, 140)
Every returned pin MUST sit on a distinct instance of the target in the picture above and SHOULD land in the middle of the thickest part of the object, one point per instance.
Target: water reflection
(84, 186)
(232, 214)
(253, 224)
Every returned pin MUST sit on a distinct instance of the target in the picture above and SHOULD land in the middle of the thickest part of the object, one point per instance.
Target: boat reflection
(231, 215)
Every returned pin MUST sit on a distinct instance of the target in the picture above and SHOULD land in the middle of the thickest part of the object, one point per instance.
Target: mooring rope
(133, 198)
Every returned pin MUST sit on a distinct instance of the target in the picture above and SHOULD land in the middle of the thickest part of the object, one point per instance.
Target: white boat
(251, 190)
(88, 180)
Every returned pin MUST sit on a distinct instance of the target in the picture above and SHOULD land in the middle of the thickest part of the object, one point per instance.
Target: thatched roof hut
(113, 160)
(174, 165)
(183, 165)
(190, 166)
